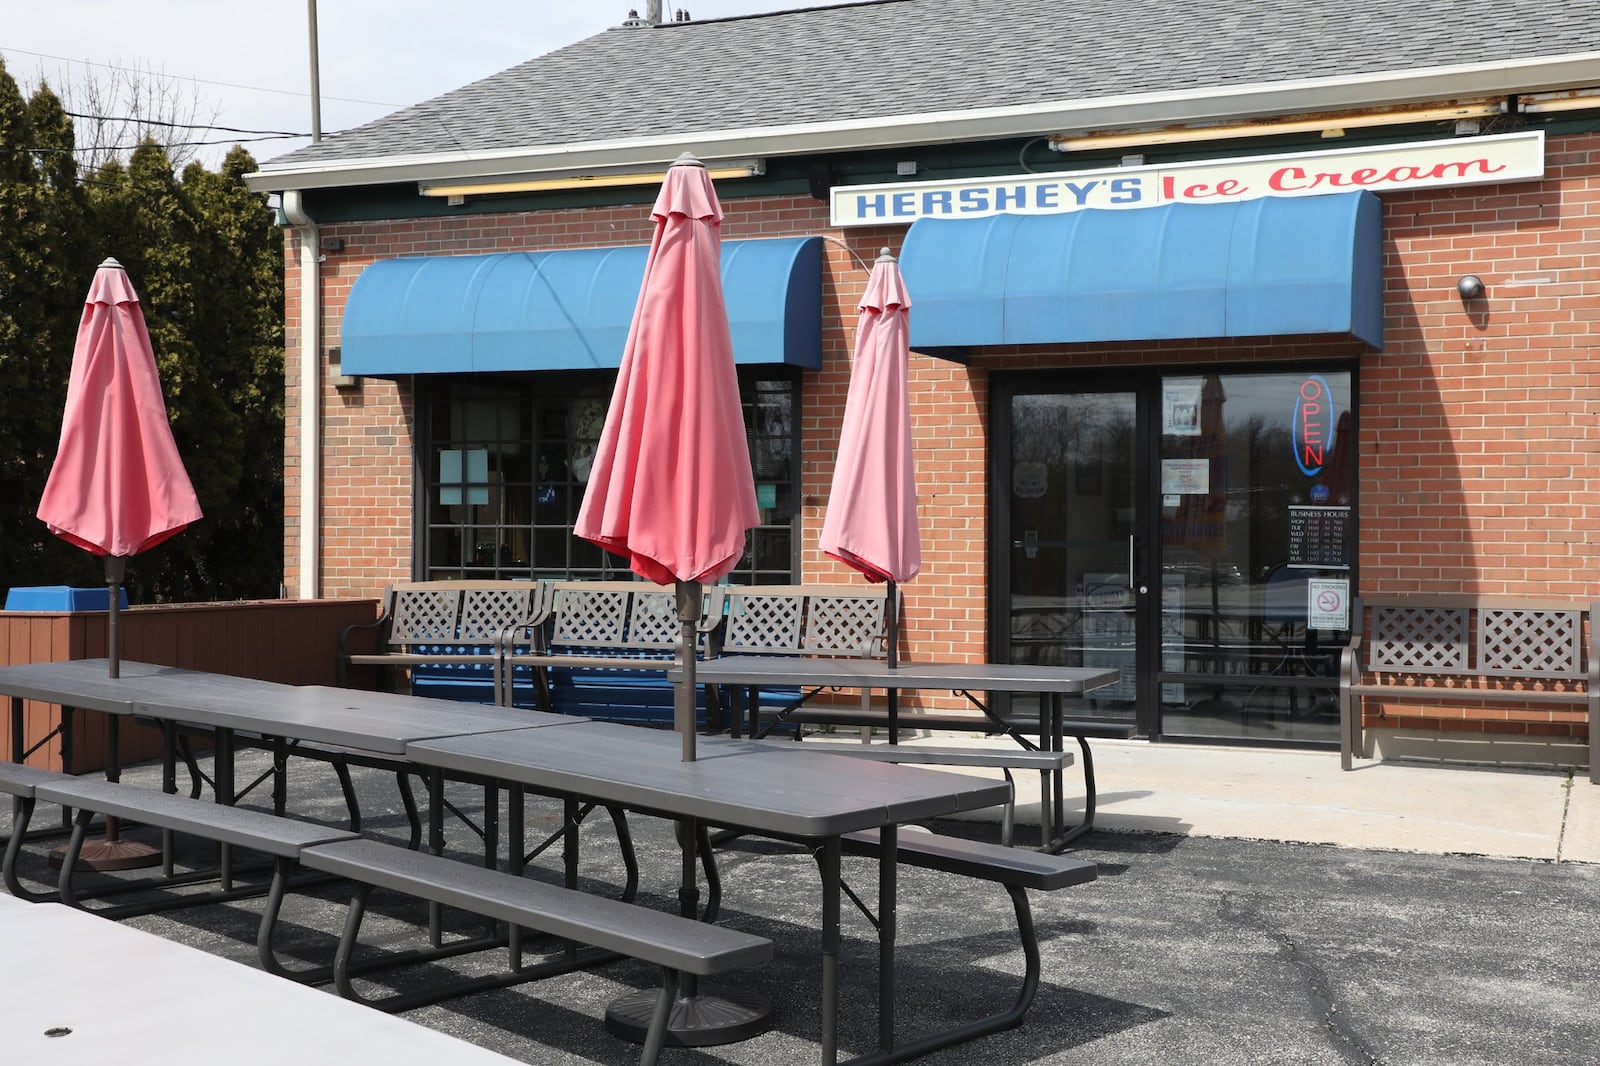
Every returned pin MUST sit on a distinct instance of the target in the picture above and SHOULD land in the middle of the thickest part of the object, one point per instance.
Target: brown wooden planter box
(290, 641)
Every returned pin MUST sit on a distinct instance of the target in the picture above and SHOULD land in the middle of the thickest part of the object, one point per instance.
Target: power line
(200, 81)
(136, 120)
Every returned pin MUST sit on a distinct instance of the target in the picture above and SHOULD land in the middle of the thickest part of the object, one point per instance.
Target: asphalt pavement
(1252, 907)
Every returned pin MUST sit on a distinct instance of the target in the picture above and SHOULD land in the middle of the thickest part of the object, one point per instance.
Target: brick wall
(1479, 425)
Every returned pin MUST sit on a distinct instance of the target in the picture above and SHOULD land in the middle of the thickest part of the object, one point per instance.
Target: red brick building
(1211, 310)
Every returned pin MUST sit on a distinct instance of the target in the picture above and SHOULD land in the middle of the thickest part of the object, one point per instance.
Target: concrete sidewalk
(1303, 797)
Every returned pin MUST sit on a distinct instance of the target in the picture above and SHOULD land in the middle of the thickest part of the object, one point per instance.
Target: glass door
(1069, 512)
(1256, 546)
(1194, 531)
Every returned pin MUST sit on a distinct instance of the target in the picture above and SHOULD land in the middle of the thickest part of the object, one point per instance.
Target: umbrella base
(699, 1020)
(103, 855)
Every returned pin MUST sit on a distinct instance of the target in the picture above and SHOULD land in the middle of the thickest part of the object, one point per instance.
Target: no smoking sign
(1328, 603)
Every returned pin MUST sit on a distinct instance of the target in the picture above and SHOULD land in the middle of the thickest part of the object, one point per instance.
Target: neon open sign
(1312, 427)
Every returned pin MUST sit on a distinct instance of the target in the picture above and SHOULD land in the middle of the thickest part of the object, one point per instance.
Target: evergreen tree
(205, 255)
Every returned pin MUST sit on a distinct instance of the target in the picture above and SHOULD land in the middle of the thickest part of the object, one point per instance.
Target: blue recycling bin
(61, 598)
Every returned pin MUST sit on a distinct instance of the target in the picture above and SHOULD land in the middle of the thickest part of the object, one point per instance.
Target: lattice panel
(654, 623)
(589, 617)
(762, 623)
(488, 612)
(424, 615)
(1543, 643)
(849, 624)
(1431, 639)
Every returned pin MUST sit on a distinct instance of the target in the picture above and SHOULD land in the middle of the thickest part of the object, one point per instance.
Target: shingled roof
(896, 58)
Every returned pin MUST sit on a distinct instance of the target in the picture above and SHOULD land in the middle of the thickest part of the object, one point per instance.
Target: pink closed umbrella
(671, 490)
(117, 486)
(871, 524)
(671, 487)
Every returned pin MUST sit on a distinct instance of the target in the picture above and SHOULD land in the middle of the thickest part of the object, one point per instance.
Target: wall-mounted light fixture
(555, 181)
(1328, 124)
(1470, 287)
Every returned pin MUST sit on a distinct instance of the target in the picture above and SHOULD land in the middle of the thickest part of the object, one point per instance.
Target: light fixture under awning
(566, 310)
(1276, 265)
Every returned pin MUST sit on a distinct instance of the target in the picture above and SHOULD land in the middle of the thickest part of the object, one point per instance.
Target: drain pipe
(310, 394)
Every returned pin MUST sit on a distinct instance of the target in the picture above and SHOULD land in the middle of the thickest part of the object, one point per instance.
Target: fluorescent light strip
(1574, 100)
(1135, 138)
(601, 180)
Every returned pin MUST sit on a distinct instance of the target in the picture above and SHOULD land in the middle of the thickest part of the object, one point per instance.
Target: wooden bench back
(1476, 636)
(841, 620)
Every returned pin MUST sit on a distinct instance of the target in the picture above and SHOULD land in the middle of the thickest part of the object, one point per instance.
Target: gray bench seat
(1003, 759)
(1013, 867)
(675, 944)
(957, 722)
(1082, 729)
(281, 838)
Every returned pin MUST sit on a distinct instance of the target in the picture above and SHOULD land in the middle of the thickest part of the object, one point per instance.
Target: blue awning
(566, 310)
(1277, 265)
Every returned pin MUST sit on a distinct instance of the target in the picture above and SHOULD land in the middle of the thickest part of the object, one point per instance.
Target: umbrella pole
(698, 1019)
(690, 605)
(113, 853)
(891, 634)
(116, 570)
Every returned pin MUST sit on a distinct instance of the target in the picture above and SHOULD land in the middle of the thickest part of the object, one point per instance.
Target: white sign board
(1328, 603)
(1384, 168)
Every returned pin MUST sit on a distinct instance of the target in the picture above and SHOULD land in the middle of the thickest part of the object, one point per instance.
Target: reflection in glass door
(1256, 479)
(1194, 531)
(1071, 514)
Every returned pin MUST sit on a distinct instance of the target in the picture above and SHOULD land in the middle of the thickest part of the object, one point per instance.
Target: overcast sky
(247, 61)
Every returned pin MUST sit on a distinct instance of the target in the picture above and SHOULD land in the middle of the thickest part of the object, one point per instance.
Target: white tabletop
(128, 996)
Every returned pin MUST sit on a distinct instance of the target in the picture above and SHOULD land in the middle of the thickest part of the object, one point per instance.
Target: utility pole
(316, 89)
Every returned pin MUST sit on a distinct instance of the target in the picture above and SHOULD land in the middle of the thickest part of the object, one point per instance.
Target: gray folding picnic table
(378, 722)
(1052, 683)
(812, 797)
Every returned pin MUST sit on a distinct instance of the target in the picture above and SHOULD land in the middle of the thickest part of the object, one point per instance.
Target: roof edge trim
(1143, 109)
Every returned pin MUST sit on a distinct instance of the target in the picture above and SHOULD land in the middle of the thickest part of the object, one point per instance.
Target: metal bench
(842, 621)
(446, 635)
(1017, 871)
(608, 927)
(1523, 655)
(609, 645)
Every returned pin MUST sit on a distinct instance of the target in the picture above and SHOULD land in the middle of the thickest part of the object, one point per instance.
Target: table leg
(828, 862)
(1049, 814)
(169, 785)
(569, 840)
(516, 849)
(436, 846)
(888, 893)
(222, 774)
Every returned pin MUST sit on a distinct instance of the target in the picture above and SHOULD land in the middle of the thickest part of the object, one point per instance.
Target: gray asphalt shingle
(914, 57)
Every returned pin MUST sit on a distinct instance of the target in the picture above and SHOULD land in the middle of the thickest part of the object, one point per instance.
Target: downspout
(310, 394)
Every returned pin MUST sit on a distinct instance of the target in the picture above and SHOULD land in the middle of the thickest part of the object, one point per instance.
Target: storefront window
(509, 459)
